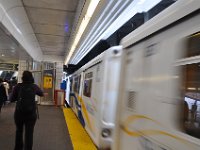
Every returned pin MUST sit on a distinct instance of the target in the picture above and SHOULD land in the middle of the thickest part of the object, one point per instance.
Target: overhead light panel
(119, 13)
(91, 8)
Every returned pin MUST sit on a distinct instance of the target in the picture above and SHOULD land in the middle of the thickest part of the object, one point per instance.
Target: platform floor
(80, 138)
(51, 130)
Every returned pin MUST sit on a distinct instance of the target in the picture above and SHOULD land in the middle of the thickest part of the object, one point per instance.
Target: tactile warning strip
(80, 139)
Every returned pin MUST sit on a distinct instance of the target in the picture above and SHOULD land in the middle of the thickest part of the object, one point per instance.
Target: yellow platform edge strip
(80, 139)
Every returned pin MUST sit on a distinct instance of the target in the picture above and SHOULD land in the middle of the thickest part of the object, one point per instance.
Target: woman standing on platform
(3, 96)
(26, 110)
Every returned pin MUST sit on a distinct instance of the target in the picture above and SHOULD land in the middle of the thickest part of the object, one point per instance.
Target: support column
(23, 65)
(59, 95)
(37, 75)
(59, 74)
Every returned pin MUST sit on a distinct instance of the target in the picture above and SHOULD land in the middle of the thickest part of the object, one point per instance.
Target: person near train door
(26, 110)
(6, 85)
(3, 96)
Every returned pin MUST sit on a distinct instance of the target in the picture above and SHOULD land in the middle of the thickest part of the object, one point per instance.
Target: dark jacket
(15, 92)
(3, 96)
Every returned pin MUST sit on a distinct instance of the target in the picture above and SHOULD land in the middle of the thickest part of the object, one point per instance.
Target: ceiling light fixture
(91, 8)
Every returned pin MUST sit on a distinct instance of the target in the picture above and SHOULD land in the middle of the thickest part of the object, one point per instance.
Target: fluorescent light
(191, 88)
(109, 14)
(91, 8)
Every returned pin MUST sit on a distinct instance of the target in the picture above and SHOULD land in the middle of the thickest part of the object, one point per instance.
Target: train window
(193, 46)
(87, 88)
(77, 84)
(88, 84)
(71, 83)
(192, 100)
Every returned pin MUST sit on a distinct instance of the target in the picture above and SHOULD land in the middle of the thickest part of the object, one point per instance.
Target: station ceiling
(37, 29)
(10, 50)
(52, 22)
(47, 28)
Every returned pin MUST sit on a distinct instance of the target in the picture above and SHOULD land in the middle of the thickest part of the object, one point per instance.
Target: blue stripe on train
(80, 116)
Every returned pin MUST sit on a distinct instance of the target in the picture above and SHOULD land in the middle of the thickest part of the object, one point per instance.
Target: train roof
(170, 15)
(97, 59)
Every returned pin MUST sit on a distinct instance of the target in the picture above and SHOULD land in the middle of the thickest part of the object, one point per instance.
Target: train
(92, 95)
(159, 100)
(145, 93)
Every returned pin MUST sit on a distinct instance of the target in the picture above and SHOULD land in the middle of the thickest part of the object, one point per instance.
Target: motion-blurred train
(145, 95)
(93, 95)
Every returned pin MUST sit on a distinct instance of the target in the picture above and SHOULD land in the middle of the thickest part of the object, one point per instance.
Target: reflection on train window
(71, 83)
(87, 87)
(77, 84)
(193, 46)
(88, 84)
(192, 100)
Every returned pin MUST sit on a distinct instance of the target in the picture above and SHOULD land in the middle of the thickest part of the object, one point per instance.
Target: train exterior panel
(159, 101)
(93, 95)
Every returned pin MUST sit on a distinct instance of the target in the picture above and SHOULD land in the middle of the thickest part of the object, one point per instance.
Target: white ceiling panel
(46, 38)
(51, 49)
(49, 43)
(54, 53)
(48, 16)
(59, 45)
(50, 29)
(69, 5)
(52, 22)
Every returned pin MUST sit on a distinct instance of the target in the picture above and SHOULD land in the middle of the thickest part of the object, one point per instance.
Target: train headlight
(106, 133)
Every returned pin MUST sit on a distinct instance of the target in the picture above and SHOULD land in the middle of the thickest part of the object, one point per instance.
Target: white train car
(93, 95)
(159, 100)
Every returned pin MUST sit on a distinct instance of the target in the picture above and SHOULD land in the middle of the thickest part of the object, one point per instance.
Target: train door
(76, 98)
(90, 101)
(72, 98)
(131, 85)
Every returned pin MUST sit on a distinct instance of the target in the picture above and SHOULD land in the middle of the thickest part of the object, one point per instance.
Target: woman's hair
(27, 77)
